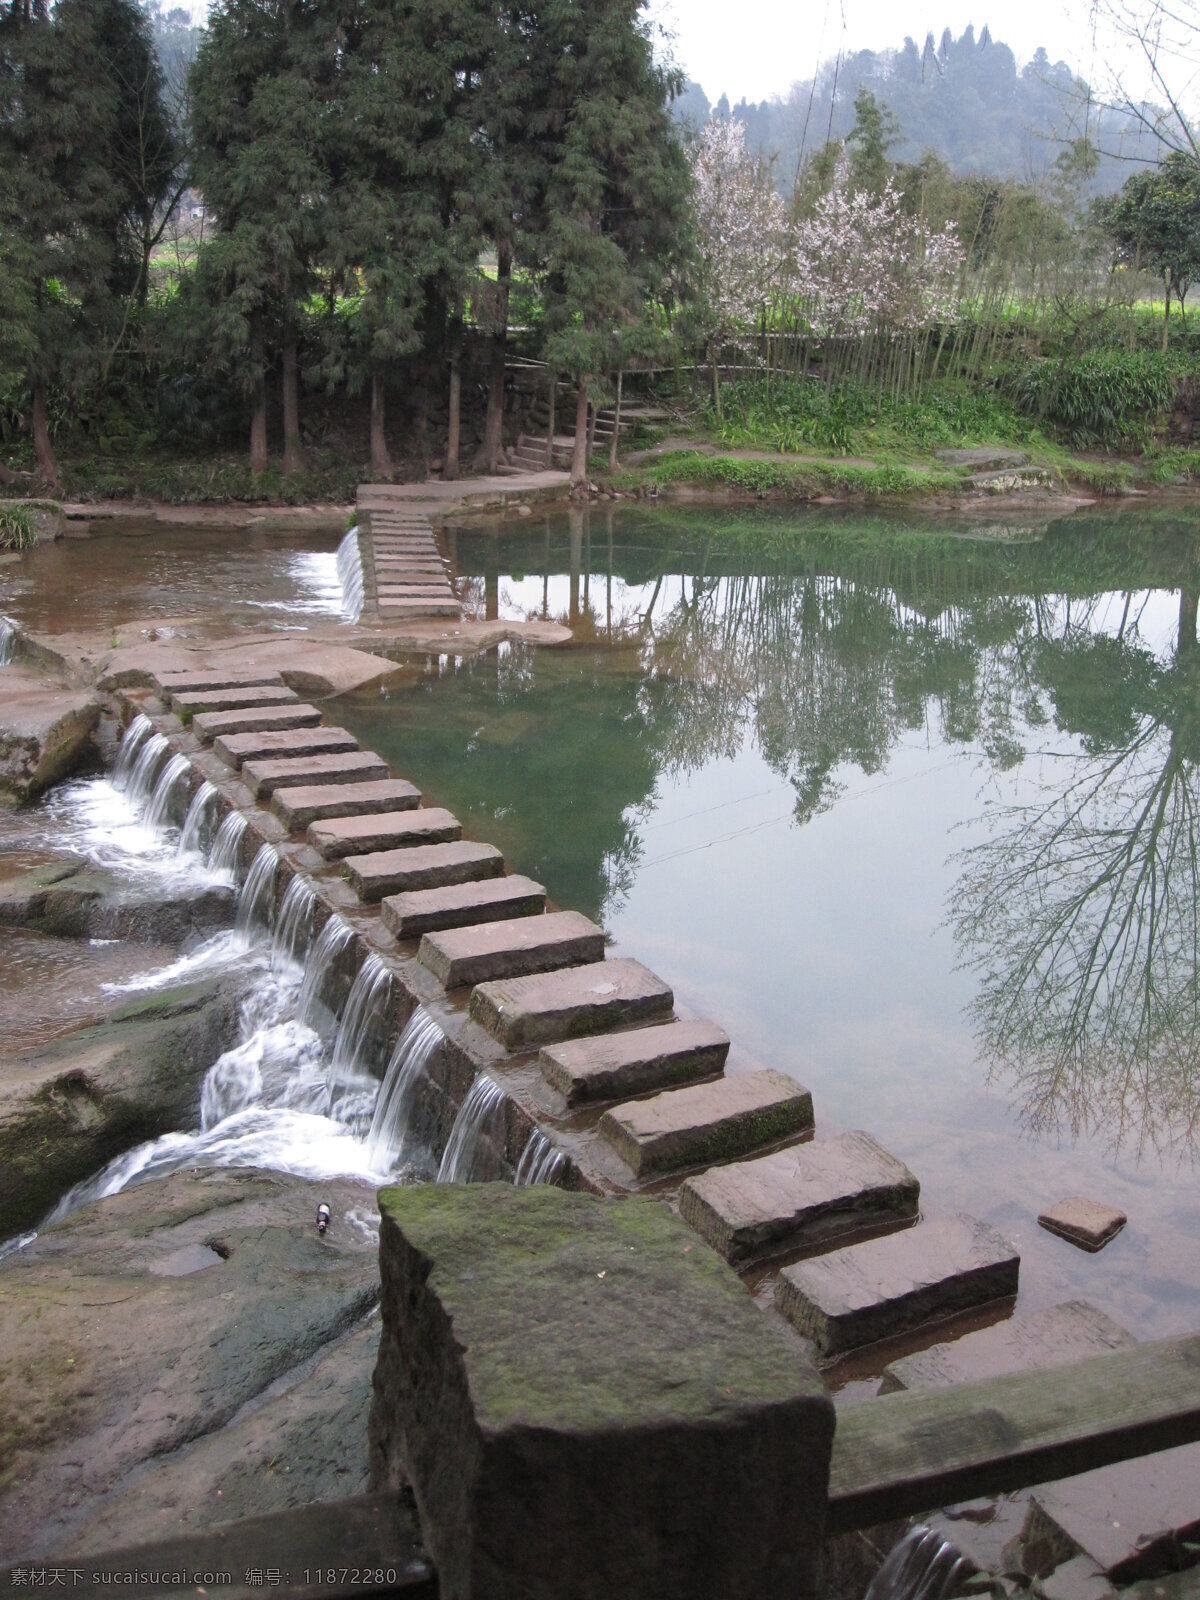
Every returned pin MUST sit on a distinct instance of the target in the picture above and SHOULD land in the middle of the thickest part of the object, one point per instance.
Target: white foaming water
(357, 1045)
(484, 1099)
(318, 969)
(161, 811)
(923, 1566)
(223, 858)
(226, 949)
(350, 575)
(8, 640)
(541, 1162)
(256, 902)
(392, 1137)
(143, 772)
(293, 926)
(101, 822)
(196, 833)
(11, 1246)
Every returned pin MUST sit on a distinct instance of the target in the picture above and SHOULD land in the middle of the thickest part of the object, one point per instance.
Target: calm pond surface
(913, 816)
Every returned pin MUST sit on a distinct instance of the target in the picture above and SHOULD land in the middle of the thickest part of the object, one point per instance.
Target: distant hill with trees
(964, 99)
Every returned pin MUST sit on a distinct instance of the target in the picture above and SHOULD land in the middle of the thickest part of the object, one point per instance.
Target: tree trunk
(47, 462)
(381, 461)
(1189, 606)
(293, 450)
(493, 429)
(579, 454)
(616, 433)
(592, 421)
(1166, 310)
(258, 419)
(450, 467)
(550, 424)
(716, 386)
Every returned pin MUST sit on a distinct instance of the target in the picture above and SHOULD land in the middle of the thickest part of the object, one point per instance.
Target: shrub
(17, 531)
(1104, 397)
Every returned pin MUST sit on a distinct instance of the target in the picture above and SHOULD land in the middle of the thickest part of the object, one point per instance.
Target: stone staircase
(530, 452)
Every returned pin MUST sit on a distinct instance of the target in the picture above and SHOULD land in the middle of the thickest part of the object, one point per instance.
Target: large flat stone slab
(620, 1065)
(210, 725)
(168, 683)
(355, 766)
(422, 866)
(237, 748)
(1053, 1337)
(193, 700)
(544, 1007)
(420, 608)
(889, 1286)
(336, 837)
(715, 1121)
(45, 732)
(589, 1404)
(797, 1198)
(510, 949)
(462, 905)
(297, 807)
(1090, 1224)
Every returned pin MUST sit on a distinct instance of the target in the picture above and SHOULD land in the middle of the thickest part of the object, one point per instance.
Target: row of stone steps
(755, 1182)
(405, 574)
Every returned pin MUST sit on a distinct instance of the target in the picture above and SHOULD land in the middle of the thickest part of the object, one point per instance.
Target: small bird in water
(322, 1218)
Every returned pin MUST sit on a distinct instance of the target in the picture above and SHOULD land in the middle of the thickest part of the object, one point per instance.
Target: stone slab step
(546, 1006)
(620, 1065)
(801, 1197)
(1053, 1337)
(415, 591)
(237, 748)
(701, 1122)
(181, 682)
(355, 766)
(462, 905)
(297, 807)
(194, 700)
(420, 608)
(422, 866)
(889, 1286)
(336, 837)
(511, 949)
(210, 725)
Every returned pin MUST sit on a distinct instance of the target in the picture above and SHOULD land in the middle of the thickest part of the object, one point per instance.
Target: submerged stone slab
(1054, 1337)
(461, 905)
(544, 1007)
(509, 949)
(422, 866)
(1090, 1224)
(194, 700)
(336, 837)
(620, 1065)
(355, 766)
(888, 1286)
(210, 725)
(237, 748)
(800, 1197)
(707, 1121)
(589, 1405)
(297, 807)
(168, 683)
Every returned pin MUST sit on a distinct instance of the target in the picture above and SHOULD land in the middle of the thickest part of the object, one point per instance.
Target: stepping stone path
(707, 1121)
(800, 1197)
(606, 1029)
(1087, 1223)
(871, 1291)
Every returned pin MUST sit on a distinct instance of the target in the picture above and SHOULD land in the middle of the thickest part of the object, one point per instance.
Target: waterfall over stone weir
(394, 1137)
(256, 902)
(923, 1566)
(196, 833)
(8, 641)
(227, 845)
(314, 1006)
(485, 1099)
(350, 575)
(540, 1161)
(161, 808)
(360, 1033)
(138, 785)
(293, 926)
(132, 742)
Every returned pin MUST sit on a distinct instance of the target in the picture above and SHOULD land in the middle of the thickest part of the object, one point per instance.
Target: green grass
(17, 531)
(217, 480)
(786, 478)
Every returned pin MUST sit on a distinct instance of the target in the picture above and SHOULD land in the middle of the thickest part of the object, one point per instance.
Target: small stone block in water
(460, 905)
(546, 1006)
(707, 1121)
(169, 683)
(888, 1286)
(297, 807)
(468, 955)
(422, 866)
(620, 1065)
(355, 766)
(589, 1404)
(237, 748)
(232, 699)
(1087, 1223)
(1051, 1338)
(210, 725)
(336, 837)
(796, 1198)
